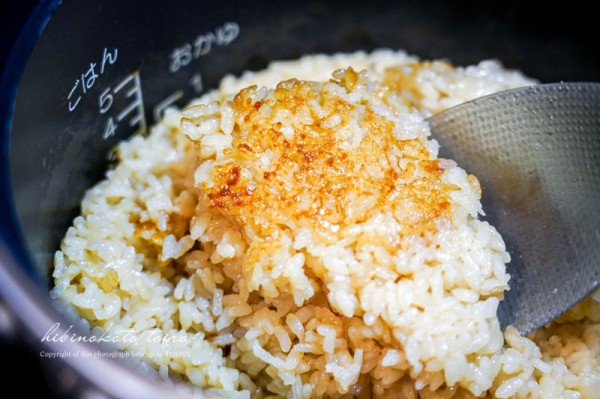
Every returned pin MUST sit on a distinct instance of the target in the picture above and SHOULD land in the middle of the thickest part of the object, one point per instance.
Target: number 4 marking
(110, 129)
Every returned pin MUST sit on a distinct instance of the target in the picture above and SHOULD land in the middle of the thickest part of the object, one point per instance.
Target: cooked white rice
(302, 239)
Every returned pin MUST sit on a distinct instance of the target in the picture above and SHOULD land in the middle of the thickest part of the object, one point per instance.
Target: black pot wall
(61, 134)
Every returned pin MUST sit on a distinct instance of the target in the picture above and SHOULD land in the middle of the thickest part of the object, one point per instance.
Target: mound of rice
(300, 238)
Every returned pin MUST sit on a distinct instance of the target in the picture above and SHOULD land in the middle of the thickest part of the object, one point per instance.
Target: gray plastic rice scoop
(536, 152)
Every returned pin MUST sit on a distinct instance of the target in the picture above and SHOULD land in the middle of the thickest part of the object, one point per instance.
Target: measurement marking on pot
(128, 90)
(137, 104)
(159, 109)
